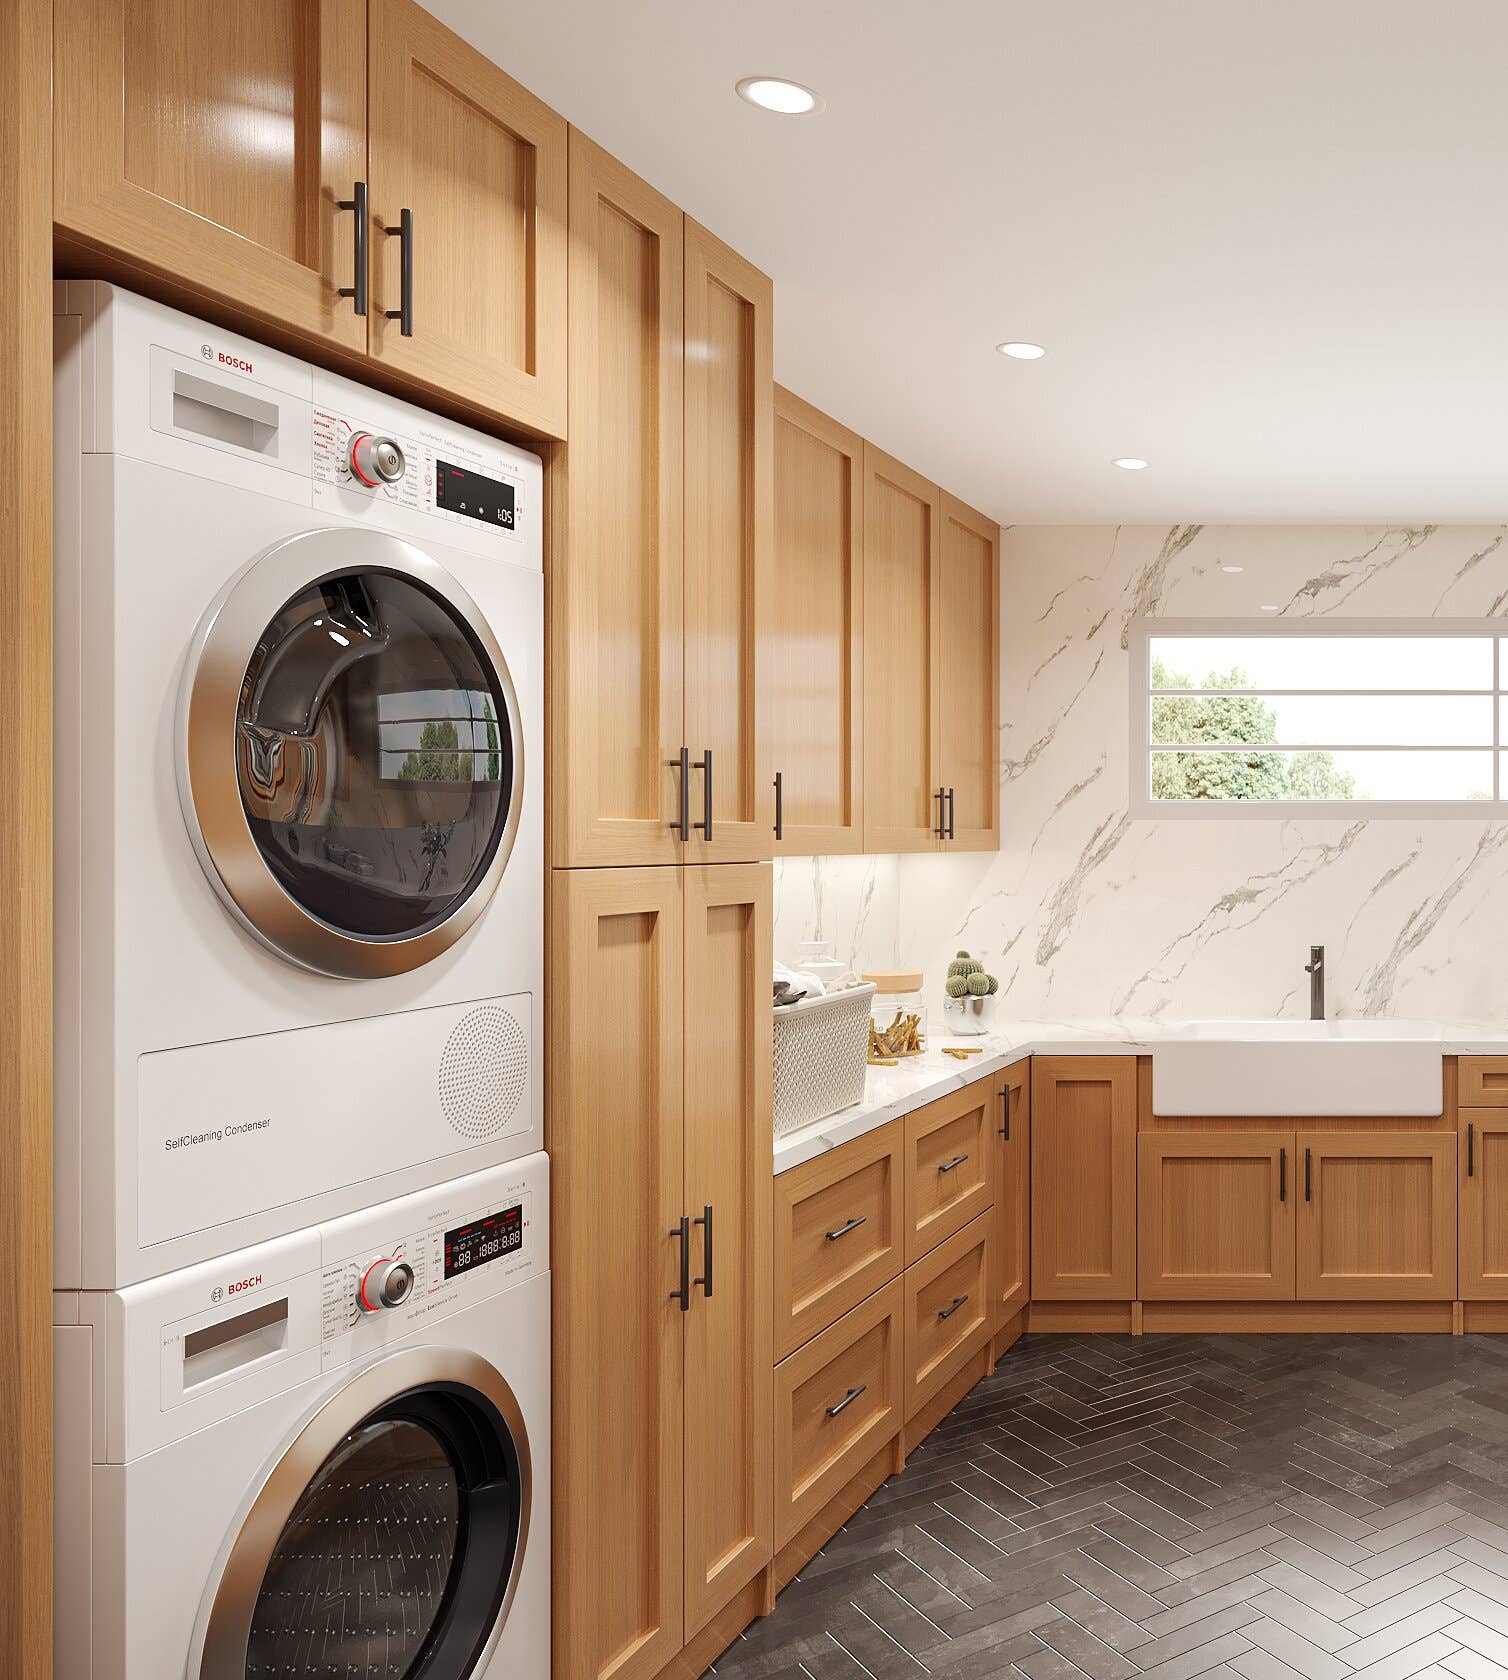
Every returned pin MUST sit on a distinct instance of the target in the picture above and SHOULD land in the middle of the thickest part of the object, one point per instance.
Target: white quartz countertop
(917, 1080)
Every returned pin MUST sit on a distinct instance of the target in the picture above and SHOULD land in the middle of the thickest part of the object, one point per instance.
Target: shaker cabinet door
(213, 145)
(968, 677)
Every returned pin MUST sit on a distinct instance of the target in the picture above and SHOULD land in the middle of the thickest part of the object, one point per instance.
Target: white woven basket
(821, 1050)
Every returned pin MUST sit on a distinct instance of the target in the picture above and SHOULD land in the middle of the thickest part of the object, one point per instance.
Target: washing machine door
(350, 756)
(387, 1539)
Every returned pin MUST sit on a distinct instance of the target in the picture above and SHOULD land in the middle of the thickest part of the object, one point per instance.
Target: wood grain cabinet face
(902, 587)
(728, 1515)
(839, 1224)
(1084, 1178)
(729, 489)
(837, 1402)
(1482, 1150)
(968, 677)
(947, 1310)
(1378, 1216)
(1484, 1081)
(950, 1178)
(616, 628)
(616, 1145)
(1012, 1192)
(481, 163)
(212, 144)
(813, 640)
(1216, 1216)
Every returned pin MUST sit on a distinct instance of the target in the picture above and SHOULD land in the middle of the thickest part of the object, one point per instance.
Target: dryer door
(350, 754)
(386, 1541)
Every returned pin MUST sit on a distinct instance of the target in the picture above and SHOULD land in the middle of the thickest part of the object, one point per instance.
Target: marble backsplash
(1087, 911)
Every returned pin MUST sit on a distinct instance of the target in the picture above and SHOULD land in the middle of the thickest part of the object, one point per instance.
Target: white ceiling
(1264, 241)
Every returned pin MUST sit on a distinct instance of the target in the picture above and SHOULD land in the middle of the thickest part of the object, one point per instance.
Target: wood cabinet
(1377, 1219)
(1083, 1142)
(812, 668)
(1215, 1215)
(480, 166)
(947, 1311)
(1482, 1153)
(968, 697)
(667, 491)
(231, 152)
(838, 1400)
(214, 144)
(1483, 1081)
(839, 1233)
(949, 1173)
(1011, 1289)
(657, 1114)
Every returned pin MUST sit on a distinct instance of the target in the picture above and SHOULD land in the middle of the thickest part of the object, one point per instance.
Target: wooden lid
(894, 979)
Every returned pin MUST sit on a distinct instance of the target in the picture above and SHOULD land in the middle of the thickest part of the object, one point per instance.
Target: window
(1391, 718)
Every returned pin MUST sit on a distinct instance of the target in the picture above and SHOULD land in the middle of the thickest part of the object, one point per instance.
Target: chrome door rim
(227, 1619)
(209, 790)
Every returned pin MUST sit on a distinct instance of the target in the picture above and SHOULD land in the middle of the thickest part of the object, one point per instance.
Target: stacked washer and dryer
(301, 1267)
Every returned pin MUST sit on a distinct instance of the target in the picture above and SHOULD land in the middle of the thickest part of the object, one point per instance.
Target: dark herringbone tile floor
(1246, 1508)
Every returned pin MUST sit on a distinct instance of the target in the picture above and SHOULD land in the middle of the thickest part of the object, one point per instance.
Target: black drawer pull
(1005, 1130)
(683, 1294)
(957, 1161)
(780, 805)
(681, 827)
(357, 292)
(849, 1225)
(1282, 1175)
(704, 1282)
(1471, 1150)
(941, 831)
(847, 1400)
(1308, 1175)
(404, 314)
(704, 764)
(947, 1312)
(952, 825)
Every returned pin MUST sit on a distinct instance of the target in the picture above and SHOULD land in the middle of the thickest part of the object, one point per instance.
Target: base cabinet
(1482, 1179)
(1215, 1216)
(1011, 1288)
(1084, 1178)
(660, 1136)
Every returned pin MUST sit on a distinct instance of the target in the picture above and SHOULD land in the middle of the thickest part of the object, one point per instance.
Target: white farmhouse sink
(1299, 1068)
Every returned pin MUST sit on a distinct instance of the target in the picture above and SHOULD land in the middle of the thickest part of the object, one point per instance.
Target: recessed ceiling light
(1020, 351)
(1130, 463)
(1271, 609)
(775, 93)
(1226, 566)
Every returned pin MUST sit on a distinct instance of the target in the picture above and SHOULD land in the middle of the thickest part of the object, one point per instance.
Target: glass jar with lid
(897, 1001)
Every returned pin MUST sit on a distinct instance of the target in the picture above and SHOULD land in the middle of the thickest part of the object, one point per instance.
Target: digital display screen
(460, 490)
(488, 1238)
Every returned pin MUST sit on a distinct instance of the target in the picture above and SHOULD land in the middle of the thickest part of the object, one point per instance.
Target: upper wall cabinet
(656, 751)
(214, 143)
(812, 659)
(968, 677)
(468, 222)
(244, 153)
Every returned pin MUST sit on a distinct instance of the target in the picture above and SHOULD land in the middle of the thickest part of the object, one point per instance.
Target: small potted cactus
(969, 1006)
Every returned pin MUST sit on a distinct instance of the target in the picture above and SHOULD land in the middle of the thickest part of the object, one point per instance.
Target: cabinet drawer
(1484, 1082)
(837, 1402)
(947, 1310)
(948, 1149)
(837, 1234)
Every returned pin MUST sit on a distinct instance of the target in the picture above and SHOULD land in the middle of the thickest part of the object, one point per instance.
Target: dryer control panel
(390, 1268)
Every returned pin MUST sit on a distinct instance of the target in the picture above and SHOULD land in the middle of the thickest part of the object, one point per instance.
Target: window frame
(1141, 633)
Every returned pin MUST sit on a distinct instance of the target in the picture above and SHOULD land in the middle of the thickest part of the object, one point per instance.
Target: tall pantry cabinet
(660, 938)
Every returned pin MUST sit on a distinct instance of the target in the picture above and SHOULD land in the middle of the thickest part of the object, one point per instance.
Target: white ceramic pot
(968, 1017)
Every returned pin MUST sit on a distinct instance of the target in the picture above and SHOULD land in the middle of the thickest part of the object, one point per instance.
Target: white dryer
(256, 1476)
(299, 871)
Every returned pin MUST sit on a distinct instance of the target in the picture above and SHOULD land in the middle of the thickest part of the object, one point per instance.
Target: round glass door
(393, 1556)
(351, 761)
(372, 755)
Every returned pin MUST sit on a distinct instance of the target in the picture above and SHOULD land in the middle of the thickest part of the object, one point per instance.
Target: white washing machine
(256, 1476)
(299, 870)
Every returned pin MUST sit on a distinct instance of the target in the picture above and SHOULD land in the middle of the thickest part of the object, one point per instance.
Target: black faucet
(1315, 969)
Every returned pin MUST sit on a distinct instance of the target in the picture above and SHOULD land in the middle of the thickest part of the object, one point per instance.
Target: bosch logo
(243, 1284)
(207, 352)
(236, 362)
(217, 1294)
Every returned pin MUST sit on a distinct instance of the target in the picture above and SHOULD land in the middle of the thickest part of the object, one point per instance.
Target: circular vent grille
(482, 1072)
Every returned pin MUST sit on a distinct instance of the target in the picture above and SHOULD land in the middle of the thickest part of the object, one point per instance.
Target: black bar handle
(682, 824)
(947, 1312)
(941, 831)
(950, 1166)
(704, 764)
(779, 805)
(1471, 1149)
(1005, 1130)
(404, 315)
(1308, 1175)
(704, 1282)
(358, 202)
(1282, 1175)
(847, 1226)
(952, 812)
(683, 1294)
(847, 1400)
